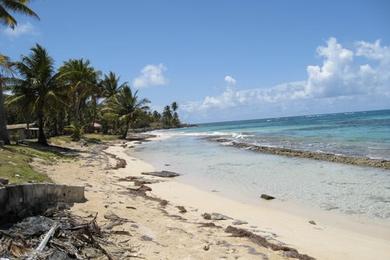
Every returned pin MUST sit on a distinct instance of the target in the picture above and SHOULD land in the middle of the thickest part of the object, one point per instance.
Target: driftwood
(44, 241)
(163, 174)
(65, 235)
(262, 241)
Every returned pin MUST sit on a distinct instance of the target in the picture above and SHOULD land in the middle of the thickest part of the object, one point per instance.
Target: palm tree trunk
(124, 135)
(41, 134)
(3, 119)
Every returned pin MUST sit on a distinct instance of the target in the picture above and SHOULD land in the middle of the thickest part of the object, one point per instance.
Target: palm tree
(167, 117)
(174, 106)
(16, 6)
(110, 84)
(81, 80)
(6, 18)
(37, 86)
(126, 105)
(5, 68)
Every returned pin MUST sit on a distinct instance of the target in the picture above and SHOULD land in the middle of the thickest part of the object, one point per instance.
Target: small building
(22, 131)
(95, 128)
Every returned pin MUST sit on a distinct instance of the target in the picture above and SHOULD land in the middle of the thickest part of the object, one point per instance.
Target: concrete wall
(19, 201)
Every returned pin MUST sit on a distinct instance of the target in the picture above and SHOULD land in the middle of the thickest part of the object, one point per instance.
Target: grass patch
(58, 140)
(100, 137)
(89, 138)
(15, 161)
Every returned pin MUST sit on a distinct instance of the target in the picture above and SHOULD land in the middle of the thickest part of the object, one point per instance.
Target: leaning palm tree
(37, 86)
(81, 80)
(126, 105)
(16, 6)
(5, 68)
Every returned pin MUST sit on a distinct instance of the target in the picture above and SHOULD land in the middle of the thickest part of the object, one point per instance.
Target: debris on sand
(139, 136)
(257, 239)
(239, 222)
(181, 209)
(163, 174)
(215, 216)
(60, 235)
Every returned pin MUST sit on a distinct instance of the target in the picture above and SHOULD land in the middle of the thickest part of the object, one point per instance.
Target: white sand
(329, 239)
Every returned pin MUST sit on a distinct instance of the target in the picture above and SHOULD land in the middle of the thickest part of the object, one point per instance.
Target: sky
(224, 60)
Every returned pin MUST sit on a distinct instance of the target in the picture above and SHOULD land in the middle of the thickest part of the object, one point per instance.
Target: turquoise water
(365, 134)
(244, 175)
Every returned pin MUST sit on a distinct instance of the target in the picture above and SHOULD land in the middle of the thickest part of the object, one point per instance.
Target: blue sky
(225, 60)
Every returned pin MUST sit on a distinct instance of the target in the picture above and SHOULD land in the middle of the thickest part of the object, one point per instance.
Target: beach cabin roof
(97, 125)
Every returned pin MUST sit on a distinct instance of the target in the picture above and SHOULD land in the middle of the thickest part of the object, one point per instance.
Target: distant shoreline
(359, 161)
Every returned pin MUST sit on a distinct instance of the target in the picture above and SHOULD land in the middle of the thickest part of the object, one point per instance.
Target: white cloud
(20, 30)
(361, 71)
(230, 80)
(151, 75)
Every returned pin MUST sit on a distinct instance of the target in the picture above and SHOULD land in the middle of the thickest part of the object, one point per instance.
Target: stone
(146, 238)
(215, 216)
(163, 174)
(181, 209)
(239, 222)
(267, 197)
(312, 222)
(4, 181)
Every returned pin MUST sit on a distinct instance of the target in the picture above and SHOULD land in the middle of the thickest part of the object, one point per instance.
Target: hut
(22, 131)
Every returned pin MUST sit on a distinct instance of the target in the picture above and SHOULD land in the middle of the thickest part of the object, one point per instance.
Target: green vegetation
(6, 18)
(15, 163)
(89, 138)
(74, 100)
(16, 6)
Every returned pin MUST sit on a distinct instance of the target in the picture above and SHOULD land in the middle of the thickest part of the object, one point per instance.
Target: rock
(239, 222)
(312, 222)
(167, 164)
(163, 174)
(4, 181)
(267, 197)
(206, 248)
(120, 163)
(163, 203)
(146, 238)
(206, 216)
(181, 209)
(215, 216)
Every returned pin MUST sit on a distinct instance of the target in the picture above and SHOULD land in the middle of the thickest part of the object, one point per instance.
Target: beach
(160, 231)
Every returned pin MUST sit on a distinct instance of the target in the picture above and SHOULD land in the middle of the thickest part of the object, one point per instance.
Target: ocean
(244, 175)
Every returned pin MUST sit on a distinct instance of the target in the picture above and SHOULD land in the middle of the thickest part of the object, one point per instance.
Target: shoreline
(329, 157)
(324, 240)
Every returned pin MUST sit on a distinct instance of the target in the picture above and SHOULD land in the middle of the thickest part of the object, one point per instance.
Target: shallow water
(362, 134)
(244, 175)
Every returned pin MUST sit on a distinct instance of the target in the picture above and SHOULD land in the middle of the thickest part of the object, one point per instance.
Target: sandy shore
(160, 231)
